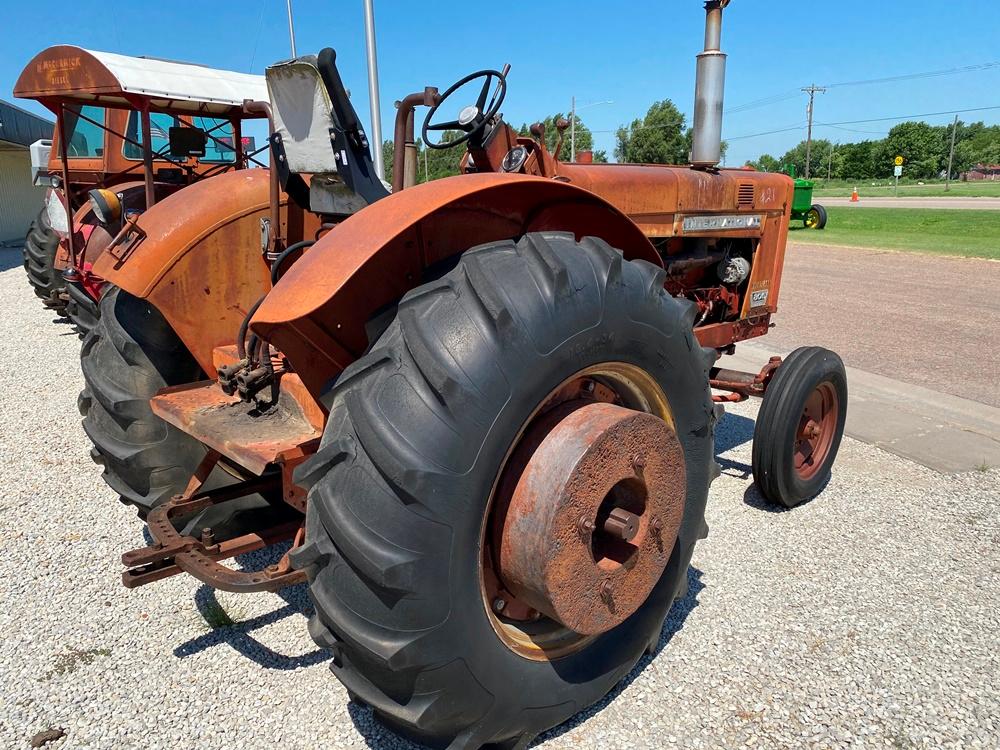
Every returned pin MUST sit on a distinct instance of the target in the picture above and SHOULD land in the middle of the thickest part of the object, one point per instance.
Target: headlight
(106, 205)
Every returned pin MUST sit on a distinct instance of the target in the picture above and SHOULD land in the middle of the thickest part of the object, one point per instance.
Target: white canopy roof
(69, 73)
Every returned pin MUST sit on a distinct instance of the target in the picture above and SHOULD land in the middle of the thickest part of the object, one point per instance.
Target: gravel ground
(866, 618)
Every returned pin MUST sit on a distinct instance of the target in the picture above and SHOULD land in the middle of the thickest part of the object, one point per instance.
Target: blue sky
(631, 52)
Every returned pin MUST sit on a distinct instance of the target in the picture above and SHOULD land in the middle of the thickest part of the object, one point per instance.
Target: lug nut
(207, 536)
(638, 464)
(585, 526)
(499, 604)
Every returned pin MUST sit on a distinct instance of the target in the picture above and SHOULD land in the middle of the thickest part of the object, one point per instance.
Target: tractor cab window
(159, 130)
(220, 150)
(84, 139)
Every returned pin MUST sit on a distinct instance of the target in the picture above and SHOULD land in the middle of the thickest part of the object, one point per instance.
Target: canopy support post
(66, 199)
(147, 157)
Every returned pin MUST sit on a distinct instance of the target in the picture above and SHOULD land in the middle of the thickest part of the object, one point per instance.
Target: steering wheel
(473, 119)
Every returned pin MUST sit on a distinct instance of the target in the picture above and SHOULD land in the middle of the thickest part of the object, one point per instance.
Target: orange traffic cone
(854, 196)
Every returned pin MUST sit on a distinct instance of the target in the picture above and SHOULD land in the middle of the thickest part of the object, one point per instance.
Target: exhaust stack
(710, 82)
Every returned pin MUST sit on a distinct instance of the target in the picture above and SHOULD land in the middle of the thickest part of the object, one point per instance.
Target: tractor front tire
(400, 489)
(799, 426)
(128, 356)
(41, 245)
(816, 217)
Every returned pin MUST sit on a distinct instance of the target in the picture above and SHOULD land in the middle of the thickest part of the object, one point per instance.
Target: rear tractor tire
(816, 217)
(130, 354)
(799, 426)
(41, 245)
(420, 554)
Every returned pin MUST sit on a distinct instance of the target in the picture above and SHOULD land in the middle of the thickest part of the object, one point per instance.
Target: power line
(776, 98)
(910, 117)
(769, 132)
(859, 122)
(763, 102)
(915, 76)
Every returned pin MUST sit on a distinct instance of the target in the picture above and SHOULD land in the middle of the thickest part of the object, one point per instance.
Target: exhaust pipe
(710, 82)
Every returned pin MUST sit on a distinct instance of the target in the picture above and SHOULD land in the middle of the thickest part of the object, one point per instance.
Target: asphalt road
(928, 320)
(982, 204)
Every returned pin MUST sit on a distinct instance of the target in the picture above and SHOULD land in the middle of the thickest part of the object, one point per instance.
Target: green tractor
(811, 214)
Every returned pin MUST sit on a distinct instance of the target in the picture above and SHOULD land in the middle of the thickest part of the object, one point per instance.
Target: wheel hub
(594, 514)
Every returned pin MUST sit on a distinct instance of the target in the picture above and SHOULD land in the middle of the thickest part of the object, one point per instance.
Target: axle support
(172, 553)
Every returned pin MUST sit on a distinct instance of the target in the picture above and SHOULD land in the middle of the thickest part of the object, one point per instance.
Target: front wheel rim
(816, 431)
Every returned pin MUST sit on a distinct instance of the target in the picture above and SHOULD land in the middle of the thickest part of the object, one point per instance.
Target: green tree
(975, 143)
(921, 145)
(584, 137)
(766, 163)
(432, 164)
(857, 160)
(658, 138)
(818, 156)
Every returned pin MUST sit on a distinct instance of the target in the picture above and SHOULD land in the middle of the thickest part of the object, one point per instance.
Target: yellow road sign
(899, 161)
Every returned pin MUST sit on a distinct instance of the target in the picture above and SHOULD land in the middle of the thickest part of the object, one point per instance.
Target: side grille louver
(745, 194)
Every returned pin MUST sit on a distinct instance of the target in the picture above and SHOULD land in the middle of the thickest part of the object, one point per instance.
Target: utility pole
(812, 91)
(951, 155)
(829, 169)
(572, 132)
(373, 90)
(291, 28)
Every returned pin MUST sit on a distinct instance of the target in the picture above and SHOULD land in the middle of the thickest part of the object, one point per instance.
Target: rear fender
(316, 314)
(200, 263)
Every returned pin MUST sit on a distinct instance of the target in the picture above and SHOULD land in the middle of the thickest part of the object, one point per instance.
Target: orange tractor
(479, 411)
(129, 131)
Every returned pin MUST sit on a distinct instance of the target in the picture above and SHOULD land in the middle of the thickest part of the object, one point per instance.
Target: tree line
(924, 148)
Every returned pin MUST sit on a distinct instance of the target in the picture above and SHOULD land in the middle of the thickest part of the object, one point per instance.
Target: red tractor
(480, 410)
(129, 131)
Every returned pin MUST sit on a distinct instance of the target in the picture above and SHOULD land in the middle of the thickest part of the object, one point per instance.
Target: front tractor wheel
(509, 490)
(816, 217)
(799, 426)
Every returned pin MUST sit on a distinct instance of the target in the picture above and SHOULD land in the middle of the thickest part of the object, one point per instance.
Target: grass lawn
(945, 231)
(840, 188)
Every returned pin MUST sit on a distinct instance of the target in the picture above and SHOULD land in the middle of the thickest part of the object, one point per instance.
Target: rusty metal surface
(171, 553)
(316, 314)
(247, 434)
(201, 264)
(654, 196)
(816, 430)
(403, 132)
(744, 384)
(593, 518)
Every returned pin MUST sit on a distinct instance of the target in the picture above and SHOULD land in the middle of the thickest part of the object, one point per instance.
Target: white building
(20, 201)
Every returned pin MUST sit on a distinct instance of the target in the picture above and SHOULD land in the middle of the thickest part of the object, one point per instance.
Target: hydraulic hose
(283, 256)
